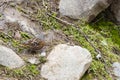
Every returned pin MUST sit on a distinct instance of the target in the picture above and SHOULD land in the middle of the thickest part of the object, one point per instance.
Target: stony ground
(103, 34)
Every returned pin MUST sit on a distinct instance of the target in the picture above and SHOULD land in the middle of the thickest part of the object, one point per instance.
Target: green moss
(32, 69)
(23, 72)
(42, 59)
(8, 39)
(17, 72)
(97, 67)
(25, 35)
(104, 35)
(20, 9)
(15, 43)
(108, 30)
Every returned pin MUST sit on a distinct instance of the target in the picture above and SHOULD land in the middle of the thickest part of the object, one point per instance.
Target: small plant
(23, 72)
(25, 35)
(32, 69)
(42, 59)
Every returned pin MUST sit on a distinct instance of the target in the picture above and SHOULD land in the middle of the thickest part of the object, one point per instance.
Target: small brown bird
(34, 44)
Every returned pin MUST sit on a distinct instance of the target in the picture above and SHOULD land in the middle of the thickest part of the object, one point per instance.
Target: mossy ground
(104, 35)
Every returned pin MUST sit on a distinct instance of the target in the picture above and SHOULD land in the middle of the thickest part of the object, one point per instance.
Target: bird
(34, 44)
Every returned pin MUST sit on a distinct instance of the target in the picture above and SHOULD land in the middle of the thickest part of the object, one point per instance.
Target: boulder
(116, 70)
(12, 15)
(34, 60)
(115, 11)
(85, 10)
(9, 58)
(66, 63)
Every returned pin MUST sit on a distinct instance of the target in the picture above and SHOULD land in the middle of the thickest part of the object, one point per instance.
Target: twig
(60, 20)
(84, 35)
(78, 29)
(73, 25)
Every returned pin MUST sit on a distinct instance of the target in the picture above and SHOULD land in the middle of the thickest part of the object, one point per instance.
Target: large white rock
(86, 10)
(9, 58)
(116, 70)
(12, 15)
(66, 63)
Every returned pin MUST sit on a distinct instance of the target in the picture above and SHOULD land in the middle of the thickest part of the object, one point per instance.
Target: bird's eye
(35, 43)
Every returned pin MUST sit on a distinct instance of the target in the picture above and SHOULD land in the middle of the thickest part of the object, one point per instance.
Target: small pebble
(98, 56)
(43, 54)
(33, 60)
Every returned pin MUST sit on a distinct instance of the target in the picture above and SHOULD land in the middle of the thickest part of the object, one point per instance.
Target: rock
(12, 15)
(43, 54)
(49, 36)
(116, 70)
(17, 35)
(99, 56)
(1, 42)
(9, 58)
(115, 11)
(2, 25)
(33, 60)
(85, 10)
(66, 63)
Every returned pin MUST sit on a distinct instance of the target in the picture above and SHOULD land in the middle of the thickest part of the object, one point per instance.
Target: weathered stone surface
(86, 10)
(15, 1)
(116, 70)
(49, 36)
(6, 78)
(115, 10)
(2, 25)
(9, 58)
(12, 15)
(34, 60)
(43, 54)
(66, 63)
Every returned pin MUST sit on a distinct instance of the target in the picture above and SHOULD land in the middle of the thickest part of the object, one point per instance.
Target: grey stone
(116, 70)
(49, 36)
(9, 58)
(99, 56)
(85, 10)
(66, 63)
(2, 25)
(43, 54)
(12, 15)
(34, 60)
(115, 10)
